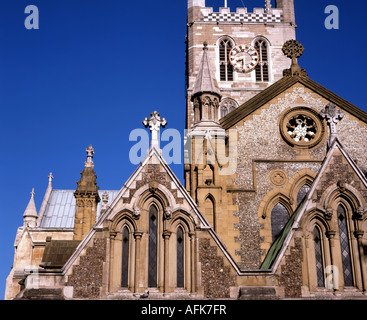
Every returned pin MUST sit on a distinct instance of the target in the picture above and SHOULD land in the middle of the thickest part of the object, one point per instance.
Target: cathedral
(274, 202)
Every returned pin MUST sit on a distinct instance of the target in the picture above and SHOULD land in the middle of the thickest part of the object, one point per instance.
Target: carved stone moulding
(278, 177)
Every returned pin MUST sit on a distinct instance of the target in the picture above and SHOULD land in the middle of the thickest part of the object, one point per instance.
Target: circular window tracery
(302, 127)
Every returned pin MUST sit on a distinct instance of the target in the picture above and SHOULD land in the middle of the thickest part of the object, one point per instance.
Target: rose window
(302, 127)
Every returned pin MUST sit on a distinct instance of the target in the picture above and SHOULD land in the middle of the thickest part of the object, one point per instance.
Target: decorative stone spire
(206, 94)
(87, 198)
(332, 115)
(90, 152)
(30, 214)
(155, 123)
(205, 82)
(293, 50)
(88, 180)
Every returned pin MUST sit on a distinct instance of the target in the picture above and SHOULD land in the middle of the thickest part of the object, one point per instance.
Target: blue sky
(96, 68)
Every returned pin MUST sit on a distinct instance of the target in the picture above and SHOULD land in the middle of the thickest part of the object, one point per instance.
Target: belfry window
(318, 257)
(152, 262)
(225, 67)
(279, 218)
(262, 69)
(125, 258)
(180, 258)
(344, 247)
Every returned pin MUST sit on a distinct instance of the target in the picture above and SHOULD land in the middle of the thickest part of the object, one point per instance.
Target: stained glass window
(344, 246)
(125, 257)
(180, 258)
(319, 257)
(152, 267)
(279, 218)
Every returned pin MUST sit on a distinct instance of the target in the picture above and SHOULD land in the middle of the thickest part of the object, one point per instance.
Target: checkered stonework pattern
(240, 17)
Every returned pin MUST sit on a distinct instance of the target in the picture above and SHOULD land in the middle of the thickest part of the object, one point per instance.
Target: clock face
(244, 58)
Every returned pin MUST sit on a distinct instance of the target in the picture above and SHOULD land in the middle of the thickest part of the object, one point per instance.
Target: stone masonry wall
(216, 277)
(87, 275)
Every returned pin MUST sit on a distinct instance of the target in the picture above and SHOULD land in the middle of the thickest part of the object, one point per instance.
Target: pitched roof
(280, 245)
(60, 208)
(280, 86)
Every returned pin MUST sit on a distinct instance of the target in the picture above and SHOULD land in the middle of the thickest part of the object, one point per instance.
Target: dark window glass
(318, 256)
(344, 246)
(279, 218)
(225, 67)
(152, 267)
(302, 193)
(125, 258)
(180, 258)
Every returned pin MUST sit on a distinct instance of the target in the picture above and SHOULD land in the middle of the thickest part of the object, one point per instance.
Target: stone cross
(155, 123)
(332, 115)
(293, 50)
(32, 193)
(50, 177)
(89, 163)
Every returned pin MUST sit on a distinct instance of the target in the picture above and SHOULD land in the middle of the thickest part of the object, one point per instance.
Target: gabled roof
(278, 248)
(280, 86)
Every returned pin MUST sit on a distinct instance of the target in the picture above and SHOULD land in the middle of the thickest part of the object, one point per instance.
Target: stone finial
(105, 198)
(50, 177)
(332, 115)
(90, 151)
(155, 122)
(267, 6)
(293, 50)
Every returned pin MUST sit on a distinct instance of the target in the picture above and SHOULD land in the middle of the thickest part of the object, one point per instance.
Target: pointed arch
(225, 45)
(209, 210)
(262, 70)
(279, 218)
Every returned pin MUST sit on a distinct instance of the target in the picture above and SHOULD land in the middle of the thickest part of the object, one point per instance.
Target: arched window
(209, 210)
(318, 257)
(227, 105)
(152, 265)
(125, 257)
(180, 258)
(279, 218)
(225, 67)
(262, 69)
(302, 193)
(344, 246)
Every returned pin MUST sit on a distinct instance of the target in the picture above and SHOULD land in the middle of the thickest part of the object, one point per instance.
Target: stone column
(331, 234)
(359, 235)
(193, 261)
(166, 237)
(137, 235)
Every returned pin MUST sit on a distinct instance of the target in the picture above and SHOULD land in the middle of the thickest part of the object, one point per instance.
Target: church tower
(244, 49)
(231, 56)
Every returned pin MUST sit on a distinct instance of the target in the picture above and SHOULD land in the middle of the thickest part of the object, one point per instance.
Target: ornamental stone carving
(278, 177)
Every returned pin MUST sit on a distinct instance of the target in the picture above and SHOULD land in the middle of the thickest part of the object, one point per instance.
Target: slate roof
(60, 209)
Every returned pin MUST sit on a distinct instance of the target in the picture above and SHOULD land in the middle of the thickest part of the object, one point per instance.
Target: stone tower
(265, 29)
